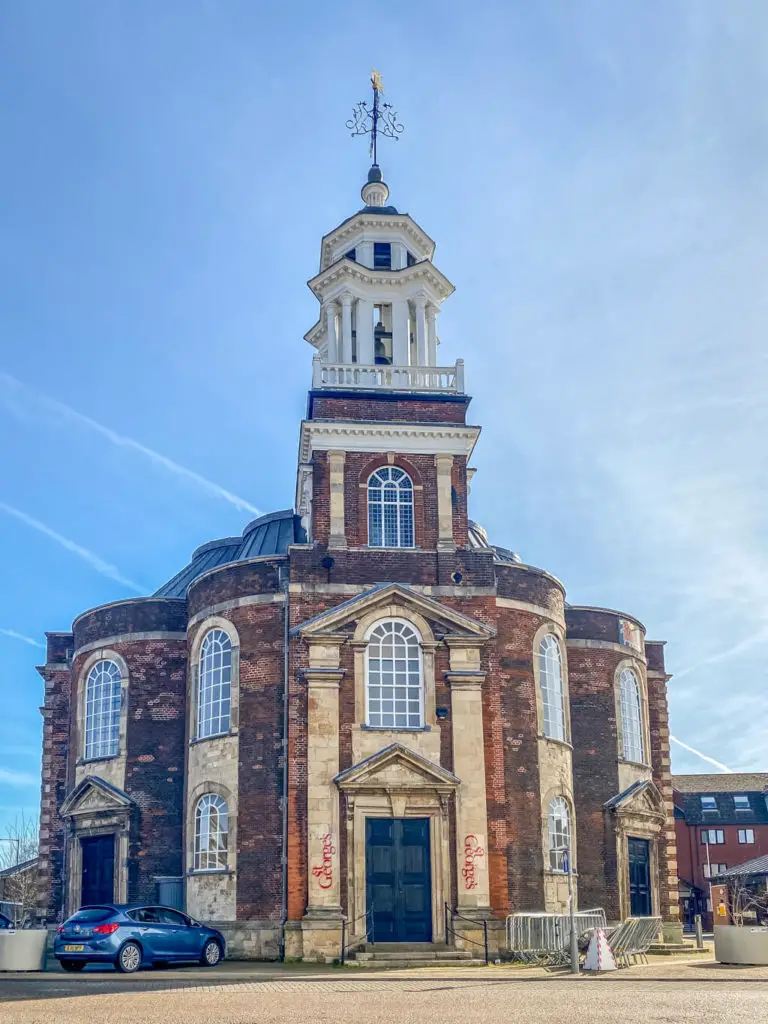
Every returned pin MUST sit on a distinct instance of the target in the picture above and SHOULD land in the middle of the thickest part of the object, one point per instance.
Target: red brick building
(361, 707)
(721, 821)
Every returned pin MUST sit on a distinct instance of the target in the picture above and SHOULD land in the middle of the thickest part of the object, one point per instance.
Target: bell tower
(385, 437)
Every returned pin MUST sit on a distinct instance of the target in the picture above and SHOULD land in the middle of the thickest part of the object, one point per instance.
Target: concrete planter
(741, 945)
(23, 950)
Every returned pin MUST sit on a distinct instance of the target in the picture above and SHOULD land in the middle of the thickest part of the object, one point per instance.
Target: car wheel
(72, 965)
(129, 958)
(211, 954)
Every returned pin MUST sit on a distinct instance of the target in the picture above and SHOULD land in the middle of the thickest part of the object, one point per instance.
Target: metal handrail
(369, 929)
(450, 915)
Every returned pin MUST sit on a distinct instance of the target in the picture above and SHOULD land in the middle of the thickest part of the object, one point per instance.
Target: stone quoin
(361, 706)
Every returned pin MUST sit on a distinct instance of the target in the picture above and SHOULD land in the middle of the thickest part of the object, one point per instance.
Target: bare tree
(19, 844)
(746, 900)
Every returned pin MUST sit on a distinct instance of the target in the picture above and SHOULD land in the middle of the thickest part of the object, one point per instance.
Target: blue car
(134, 935)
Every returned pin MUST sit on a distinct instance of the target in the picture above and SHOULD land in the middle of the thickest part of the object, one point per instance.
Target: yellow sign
(376, 81)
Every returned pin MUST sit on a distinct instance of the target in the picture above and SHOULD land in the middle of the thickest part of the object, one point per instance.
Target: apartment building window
(708, 803)
(746, 835)
(741, 802)
(713, 836)
(711, 870)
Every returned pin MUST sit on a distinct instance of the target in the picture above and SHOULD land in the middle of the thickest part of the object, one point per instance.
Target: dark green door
(639, 851)
(397, 879)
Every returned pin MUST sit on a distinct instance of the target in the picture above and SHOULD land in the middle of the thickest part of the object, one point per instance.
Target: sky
(594, 177)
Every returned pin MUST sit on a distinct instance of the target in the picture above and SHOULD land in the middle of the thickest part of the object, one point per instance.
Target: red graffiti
(472, 850)
(324, 871)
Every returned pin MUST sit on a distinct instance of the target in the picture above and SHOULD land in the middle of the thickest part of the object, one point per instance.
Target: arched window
(394, 692)
(102, 711)
(390, 508)
(551, 681)
(559, 831)
(633, 748)
(211, 833)
(214, 690)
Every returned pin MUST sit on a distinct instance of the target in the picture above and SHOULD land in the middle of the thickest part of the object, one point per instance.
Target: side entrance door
(639, 877)
(98, 879)
(398, 883)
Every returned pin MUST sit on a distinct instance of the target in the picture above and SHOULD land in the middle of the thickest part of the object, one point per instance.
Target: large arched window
(215, 685)
(394, 693)
(552, 693)
(390, 508)
(102, 711)
(632, 746)
(559, 832)
(211, 833)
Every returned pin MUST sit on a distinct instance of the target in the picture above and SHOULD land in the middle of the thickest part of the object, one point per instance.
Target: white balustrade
(389, 378)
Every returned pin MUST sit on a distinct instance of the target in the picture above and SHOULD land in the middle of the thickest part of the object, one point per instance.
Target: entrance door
(639, 851)
(397, 879)
(98, 883)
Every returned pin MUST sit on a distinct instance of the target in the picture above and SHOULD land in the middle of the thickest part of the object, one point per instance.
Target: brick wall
(388, 408)
(658, 715)
(137, 615)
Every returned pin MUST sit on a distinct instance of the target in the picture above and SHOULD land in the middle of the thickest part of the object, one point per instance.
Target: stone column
(444, 465)
(346, 329)
(421, 330)
(432, 311)
(465, 680)
(338, 537)
(400, 333)
(331, 311)
(365, 332)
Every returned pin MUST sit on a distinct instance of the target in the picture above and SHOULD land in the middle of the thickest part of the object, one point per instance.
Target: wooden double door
(398, 879)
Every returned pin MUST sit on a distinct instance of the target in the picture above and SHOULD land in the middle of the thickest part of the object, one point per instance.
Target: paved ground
(665, 992)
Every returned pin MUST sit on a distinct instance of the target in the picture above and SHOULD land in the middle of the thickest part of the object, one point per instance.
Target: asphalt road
(662, 993)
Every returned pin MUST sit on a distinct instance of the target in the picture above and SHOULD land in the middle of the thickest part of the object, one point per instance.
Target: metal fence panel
(545, 938)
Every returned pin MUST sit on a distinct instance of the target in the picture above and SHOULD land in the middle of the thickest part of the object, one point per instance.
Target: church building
(362, 708)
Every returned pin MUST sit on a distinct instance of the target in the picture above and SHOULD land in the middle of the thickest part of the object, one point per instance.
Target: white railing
(390, 378)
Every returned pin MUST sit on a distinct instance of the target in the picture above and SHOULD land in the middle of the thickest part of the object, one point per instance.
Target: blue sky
(594, 176)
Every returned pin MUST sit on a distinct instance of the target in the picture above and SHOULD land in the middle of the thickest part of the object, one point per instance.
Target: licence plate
(74, 949)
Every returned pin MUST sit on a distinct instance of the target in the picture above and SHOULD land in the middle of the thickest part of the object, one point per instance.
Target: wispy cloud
(704, 757)
(14, 778)
(760, 636)
(12, 387)
(110, 571)
(20, 636)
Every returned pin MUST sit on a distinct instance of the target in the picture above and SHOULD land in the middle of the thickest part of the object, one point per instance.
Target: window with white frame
(559, 832)
(713, 836)
(746, 835)
(214, 695)
(711, 870)
(633, 747)
(211, 833)
(102, 711)
(741, 802)
(390, 508)
(394, 689)
(708, 803)
(551, 681)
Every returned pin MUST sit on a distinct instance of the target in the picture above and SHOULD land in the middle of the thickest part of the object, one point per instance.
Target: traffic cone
(599, 954)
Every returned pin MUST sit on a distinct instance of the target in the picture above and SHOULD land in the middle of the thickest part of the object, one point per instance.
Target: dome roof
(478, 538)
(267, 535)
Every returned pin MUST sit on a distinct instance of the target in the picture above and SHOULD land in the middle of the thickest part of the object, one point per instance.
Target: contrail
(87, 556)
(20, 636)
(127, 442)
(704, 757)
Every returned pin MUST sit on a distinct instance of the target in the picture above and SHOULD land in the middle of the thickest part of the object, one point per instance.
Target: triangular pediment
(92, 796)
(642, 798)
(450, 621)
(397, 768)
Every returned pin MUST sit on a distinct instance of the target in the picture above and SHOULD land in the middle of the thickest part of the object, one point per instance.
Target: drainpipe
(286, 579)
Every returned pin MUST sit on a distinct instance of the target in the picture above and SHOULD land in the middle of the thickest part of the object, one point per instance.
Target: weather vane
(380, 119)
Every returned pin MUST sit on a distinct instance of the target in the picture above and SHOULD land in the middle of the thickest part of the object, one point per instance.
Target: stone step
(407, 962)
(671, 948)
(416, 955)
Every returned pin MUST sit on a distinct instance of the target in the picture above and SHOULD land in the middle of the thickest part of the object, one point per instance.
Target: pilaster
(338, 537)
(444, 466)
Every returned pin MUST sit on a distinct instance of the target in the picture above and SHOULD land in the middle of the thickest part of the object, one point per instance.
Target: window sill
(552, 739)
(559, 873)
(395, 728)
(96, 760)
(213, 736)
(197, 872)
(635, 764)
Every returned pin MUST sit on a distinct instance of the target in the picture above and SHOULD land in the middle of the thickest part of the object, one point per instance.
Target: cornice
(394, 221)
(348, 270)
(318, 435)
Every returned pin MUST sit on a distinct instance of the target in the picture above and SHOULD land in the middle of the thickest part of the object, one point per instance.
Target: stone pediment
(450, 621)
(94, 796)
(641, 799)
(397, 769)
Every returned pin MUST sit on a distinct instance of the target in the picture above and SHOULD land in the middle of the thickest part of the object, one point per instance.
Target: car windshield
(91, 914)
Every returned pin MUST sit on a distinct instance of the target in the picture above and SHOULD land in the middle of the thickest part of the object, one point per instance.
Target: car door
(152, 934)
(182, 939)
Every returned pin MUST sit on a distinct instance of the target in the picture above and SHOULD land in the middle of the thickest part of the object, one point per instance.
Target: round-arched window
(102, 711)
(559, 832)
(390, 508)
(394, 691)
(211, 833)
(552, 693)
(632, 745)
(215, 684)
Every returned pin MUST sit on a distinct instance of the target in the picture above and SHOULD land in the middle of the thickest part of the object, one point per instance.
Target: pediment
(448, 620)
(93, 796)
(641, 799)
(397, 769)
